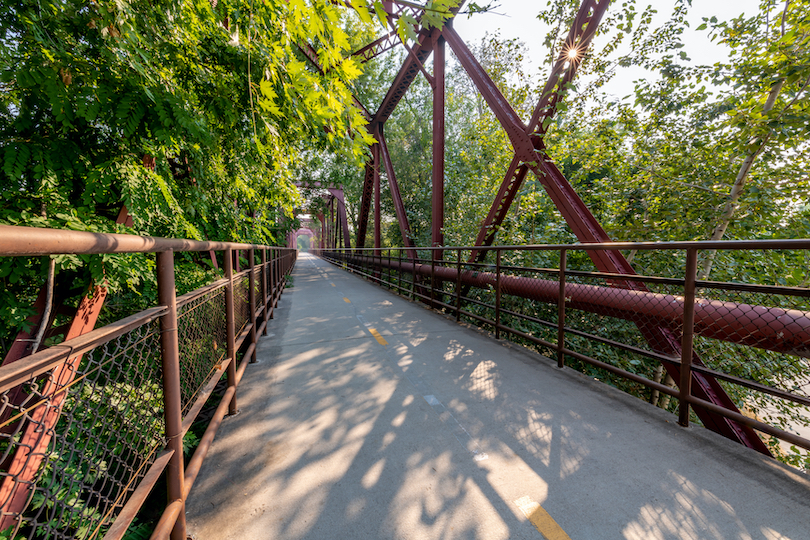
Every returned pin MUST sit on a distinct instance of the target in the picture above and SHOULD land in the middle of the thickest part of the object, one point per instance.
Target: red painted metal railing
(99, 418)
(571, 312)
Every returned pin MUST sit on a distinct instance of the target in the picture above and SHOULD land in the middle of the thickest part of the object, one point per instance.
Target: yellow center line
(347, 300)
(332, 284)
(541, 519)
(377, 336)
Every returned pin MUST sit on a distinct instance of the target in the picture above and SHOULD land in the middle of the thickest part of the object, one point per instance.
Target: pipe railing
(570, 312)
(88, 426)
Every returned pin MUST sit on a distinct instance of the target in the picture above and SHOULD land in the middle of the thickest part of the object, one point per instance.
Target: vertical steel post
(332, 225)
(264, 289)
(375, 158)
(230, 326)
(170, 357)
(322, 240)
(279, 276)
(413, 278)
(561, 310)
(277, 273)
(273, 281)
(252, 301)
(432, 278)
(687, 342)
(458, 285)
(399, 278)
(365, 203)
(437, 195)
(498, 294)
(336, 227)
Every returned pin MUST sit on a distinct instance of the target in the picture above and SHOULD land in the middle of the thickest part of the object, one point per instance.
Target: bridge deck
(371, 417)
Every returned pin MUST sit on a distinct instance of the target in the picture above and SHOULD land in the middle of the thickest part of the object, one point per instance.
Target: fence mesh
(202, 337)
(240, 303)
(754, 334)
(77, 440)
(765, 344)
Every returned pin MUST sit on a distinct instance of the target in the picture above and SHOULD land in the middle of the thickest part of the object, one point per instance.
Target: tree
(701, 152)
(192, 114)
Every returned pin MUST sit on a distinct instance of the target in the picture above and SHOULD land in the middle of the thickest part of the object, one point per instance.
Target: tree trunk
(739, 185)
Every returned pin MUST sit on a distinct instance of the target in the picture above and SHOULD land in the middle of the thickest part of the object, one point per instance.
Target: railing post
(264, 289)
(498, 294)
(170, 357)
(413, 278)
(252, 301)
(458, 285)
(273, 281)
(685, 384)
(561, 310)
(399, 263)
(432, 280)
(230, 327)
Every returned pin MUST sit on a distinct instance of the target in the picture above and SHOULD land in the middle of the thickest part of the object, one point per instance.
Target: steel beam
(375, 153)
(530, 154)
(437, 193)
(344, 220)
(365, 200)
(579, 38)
(377, 47)
(508, 118)
(399, 206)
(406, 75)
(570, 57)
(323, 231)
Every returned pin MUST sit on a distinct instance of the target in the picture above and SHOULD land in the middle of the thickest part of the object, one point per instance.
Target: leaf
(351, 68)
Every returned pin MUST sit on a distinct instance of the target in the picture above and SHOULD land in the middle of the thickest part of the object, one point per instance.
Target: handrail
(791, 243)
(730, 318)
(124, 358)
(14, 374)
(18, 241)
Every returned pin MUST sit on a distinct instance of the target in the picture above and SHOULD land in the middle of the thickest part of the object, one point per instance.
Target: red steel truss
(529, 155)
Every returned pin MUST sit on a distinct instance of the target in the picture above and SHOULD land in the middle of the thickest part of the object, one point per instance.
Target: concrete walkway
(370, 417)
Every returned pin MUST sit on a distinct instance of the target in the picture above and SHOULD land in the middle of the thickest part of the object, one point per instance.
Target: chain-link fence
(77, 438)
(202, 336)
(88, 426)
(743, 347)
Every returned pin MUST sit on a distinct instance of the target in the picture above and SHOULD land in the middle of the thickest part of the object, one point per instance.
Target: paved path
(370, 417)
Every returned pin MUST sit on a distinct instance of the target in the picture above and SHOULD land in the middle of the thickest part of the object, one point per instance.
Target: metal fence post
(273, 281)
(458, 285)
(413, 279)
(252, 301)
(170, 357)
(399, 278)
(498, 294)
(264, 289)
(432, 281)
(230, 326)
(561, 310)
(685, 384)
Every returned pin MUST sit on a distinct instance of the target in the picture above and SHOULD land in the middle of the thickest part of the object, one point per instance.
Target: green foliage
(666, 163)
(192, 114)
(138, 531)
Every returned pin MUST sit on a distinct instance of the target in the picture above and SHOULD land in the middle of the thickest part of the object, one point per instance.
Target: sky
(518, 19)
